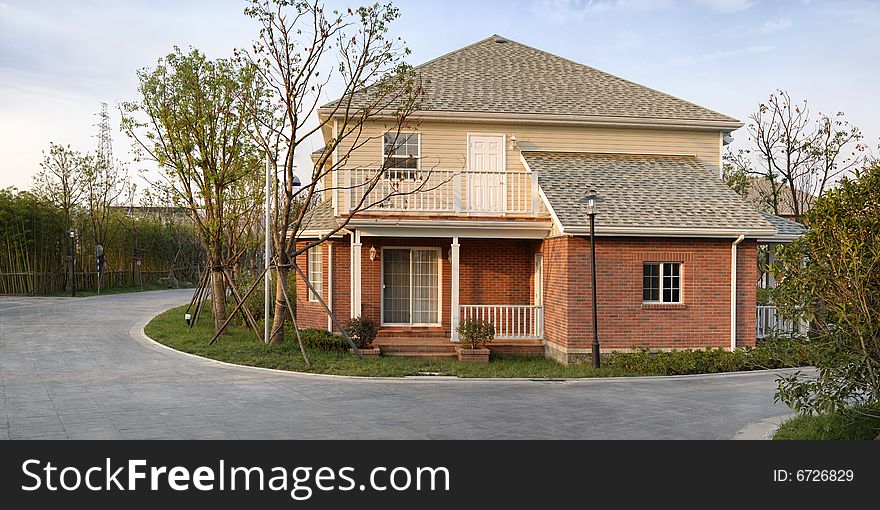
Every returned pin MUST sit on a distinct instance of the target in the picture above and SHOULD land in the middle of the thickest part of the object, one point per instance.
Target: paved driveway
(72, 368)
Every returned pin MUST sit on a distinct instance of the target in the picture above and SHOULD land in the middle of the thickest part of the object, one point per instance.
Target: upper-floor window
(404, 151)
(316, 270)
(661, 282)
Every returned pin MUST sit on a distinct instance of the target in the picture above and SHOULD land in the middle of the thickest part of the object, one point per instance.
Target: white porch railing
(442, 191)
(512, 322)
(768, 322)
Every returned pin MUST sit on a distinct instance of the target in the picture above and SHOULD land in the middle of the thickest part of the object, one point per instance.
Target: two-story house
(515, 137)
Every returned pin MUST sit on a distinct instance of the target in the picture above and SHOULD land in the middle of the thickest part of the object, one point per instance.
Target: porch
(419, 290)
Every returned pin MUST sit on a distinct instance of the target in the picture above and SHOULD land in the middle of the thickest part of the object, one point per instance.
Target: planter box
(478, 355)
(372, 352)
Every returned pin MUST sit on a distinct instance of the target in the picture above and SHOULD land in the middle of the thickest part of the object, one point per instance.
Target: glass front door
(410, 286)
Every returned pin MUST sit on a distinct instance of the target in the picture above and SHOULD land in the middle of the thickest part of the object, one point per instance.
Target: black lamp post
(592, 198)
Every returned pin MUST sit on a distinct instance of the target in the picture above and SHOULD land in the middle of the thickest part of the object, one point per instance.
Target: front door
(486, 179)
(410, 286)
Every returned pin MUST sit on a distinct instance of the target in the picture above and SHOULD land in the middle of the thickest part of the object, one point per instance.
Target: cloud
(717, 55)
(725, 5)
(563, 11)
(772, 26)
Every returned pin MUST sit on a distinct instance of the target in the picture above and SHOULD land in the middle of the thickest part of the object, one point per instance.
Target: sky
(60, 59)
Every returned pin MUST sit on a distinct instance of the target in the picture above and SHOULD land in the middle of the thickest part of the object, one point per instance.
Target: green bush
(772, 353)
(322, 340)
(475, 333)
(362, 331)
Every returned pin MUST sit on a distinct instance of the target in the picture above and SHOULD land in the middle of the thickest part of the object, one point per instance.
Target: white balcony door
(410, 286)
(486, 182)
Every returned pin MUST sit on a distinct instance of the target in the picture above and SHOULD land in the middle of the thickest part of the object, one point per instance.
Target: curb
(762, 430)
(139, 335)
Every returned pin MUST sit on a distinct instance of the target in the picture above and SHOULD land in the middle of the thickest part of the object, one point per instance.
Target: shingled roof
(319, 219)
(501, 76)
(643, 194)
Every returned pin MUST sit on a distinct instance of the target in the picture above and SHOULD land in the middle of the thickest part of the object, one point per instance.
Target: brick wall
(312, 314)
(500, 272)
(702, 320)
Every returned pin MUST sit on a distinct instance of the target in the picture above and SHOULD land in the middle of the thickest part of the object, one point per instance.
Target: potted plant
(473, 335)
(363, 331)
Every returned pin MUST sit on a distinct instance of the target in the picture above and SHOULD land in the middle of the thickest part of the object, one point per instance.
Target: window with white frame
(661, 282)
(316, 272)
(402, 152)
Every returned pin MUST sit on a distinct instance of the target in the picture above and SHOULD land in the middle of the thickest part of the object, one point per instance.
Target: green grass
(241, 346)
(118, 290)
(858, 423)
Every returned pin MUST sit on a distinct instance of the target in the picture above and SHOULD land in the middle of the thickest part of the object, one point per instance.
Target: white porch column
(455, 315)
(330, 285)
(355, 274)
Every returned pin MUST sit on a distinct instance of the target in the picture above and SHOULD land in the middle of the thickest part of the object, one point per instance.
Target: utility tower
(105, 139)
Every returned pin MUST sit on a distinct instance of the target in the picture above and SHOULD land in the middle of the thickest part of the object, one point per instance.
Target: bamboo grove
(144, 246)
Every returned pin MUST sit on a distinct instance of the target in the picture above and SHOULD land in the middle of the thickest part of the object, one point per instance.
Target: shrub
(322, 340)
(475, 333)
(362, 331)
(776, 353)
(829, 276)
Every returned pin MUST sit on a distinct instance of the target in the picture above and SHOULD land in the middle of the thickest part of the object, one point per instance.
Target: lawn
(859, 423)
(241, 346)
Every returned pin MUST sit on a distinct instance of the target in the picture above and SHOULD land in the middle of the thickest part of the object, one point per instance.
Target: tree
(193, 119)
(831, 277)
(301, 48)
(103, 182)
(735, 171)
(799, 163)
(60, 180)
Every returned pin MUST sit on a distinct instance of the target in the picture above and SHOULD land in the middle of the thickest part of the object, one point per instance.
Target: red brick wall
(702, 320)
(500, 272)
(495, 272)
(312, 314)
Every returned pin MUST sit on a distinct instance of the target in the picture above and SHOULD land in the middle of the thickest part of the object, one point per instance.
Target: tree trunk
(218, 297)
(277, 331)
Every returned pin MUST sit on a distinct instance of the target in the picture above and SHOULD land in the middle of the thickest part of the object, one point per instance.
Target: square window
(402, 152)
(661, 282)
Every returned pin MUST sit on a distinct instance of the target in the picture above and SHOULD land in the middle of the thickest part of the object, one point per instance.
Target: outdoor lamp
(372, 253)
(592, 199)
(72, 233)
(187, 317)
(296, 182)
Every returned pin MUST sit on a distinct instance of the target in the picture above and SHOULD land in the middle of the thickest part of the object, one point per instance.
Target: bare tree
(301, 48)
(194, 120)
(796, 161)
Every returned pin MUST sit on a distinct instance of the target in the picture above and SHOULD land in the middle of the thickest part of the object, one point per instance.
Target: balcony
(441, 192)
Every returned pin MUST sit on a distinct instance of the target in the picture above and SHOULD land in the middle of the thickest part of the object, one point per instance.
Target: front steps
(441, 347)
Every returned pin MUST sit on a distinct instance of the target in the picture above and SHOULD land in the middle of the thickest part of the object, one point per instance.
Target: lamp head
(592, 199)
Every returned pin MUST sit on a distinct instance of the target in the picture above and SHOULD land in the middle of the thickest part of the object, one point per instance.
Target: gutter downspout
(733, 291)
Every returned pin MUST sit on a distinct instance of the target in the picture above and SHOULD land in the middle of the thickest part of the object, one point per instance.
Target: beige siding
(444, 144)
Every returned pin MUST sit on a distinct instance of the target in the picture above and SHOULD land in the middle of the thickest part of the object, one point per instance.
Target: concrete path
(74, 368)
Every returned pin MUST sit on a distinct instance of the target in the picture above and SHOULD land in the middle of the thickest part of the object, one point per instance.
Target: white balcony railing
(769, 322)
(441, 191)
(512, 322)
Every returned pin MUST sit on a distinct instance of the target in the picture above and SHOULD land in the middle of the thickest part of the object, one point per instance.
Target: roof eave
(570, 120)
(670, 232)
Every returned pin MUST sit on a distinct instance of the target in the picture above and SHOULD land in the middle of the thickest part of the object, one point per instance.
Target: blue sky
(60, 59)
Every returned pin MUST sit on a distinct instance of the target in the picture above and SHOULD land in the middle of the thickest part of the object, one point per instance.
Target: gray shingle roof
(320, 218)
(785, 228)
(497, 75)
(642, 191)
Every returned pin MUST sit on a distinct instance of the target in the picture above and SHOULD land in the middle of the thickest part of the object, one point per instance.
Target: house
(759, 193)
(511, 139)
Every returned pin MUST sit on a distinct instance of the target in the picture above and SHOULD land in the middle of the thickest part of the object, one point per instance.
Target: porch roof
(319, 220)
(643, 195)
